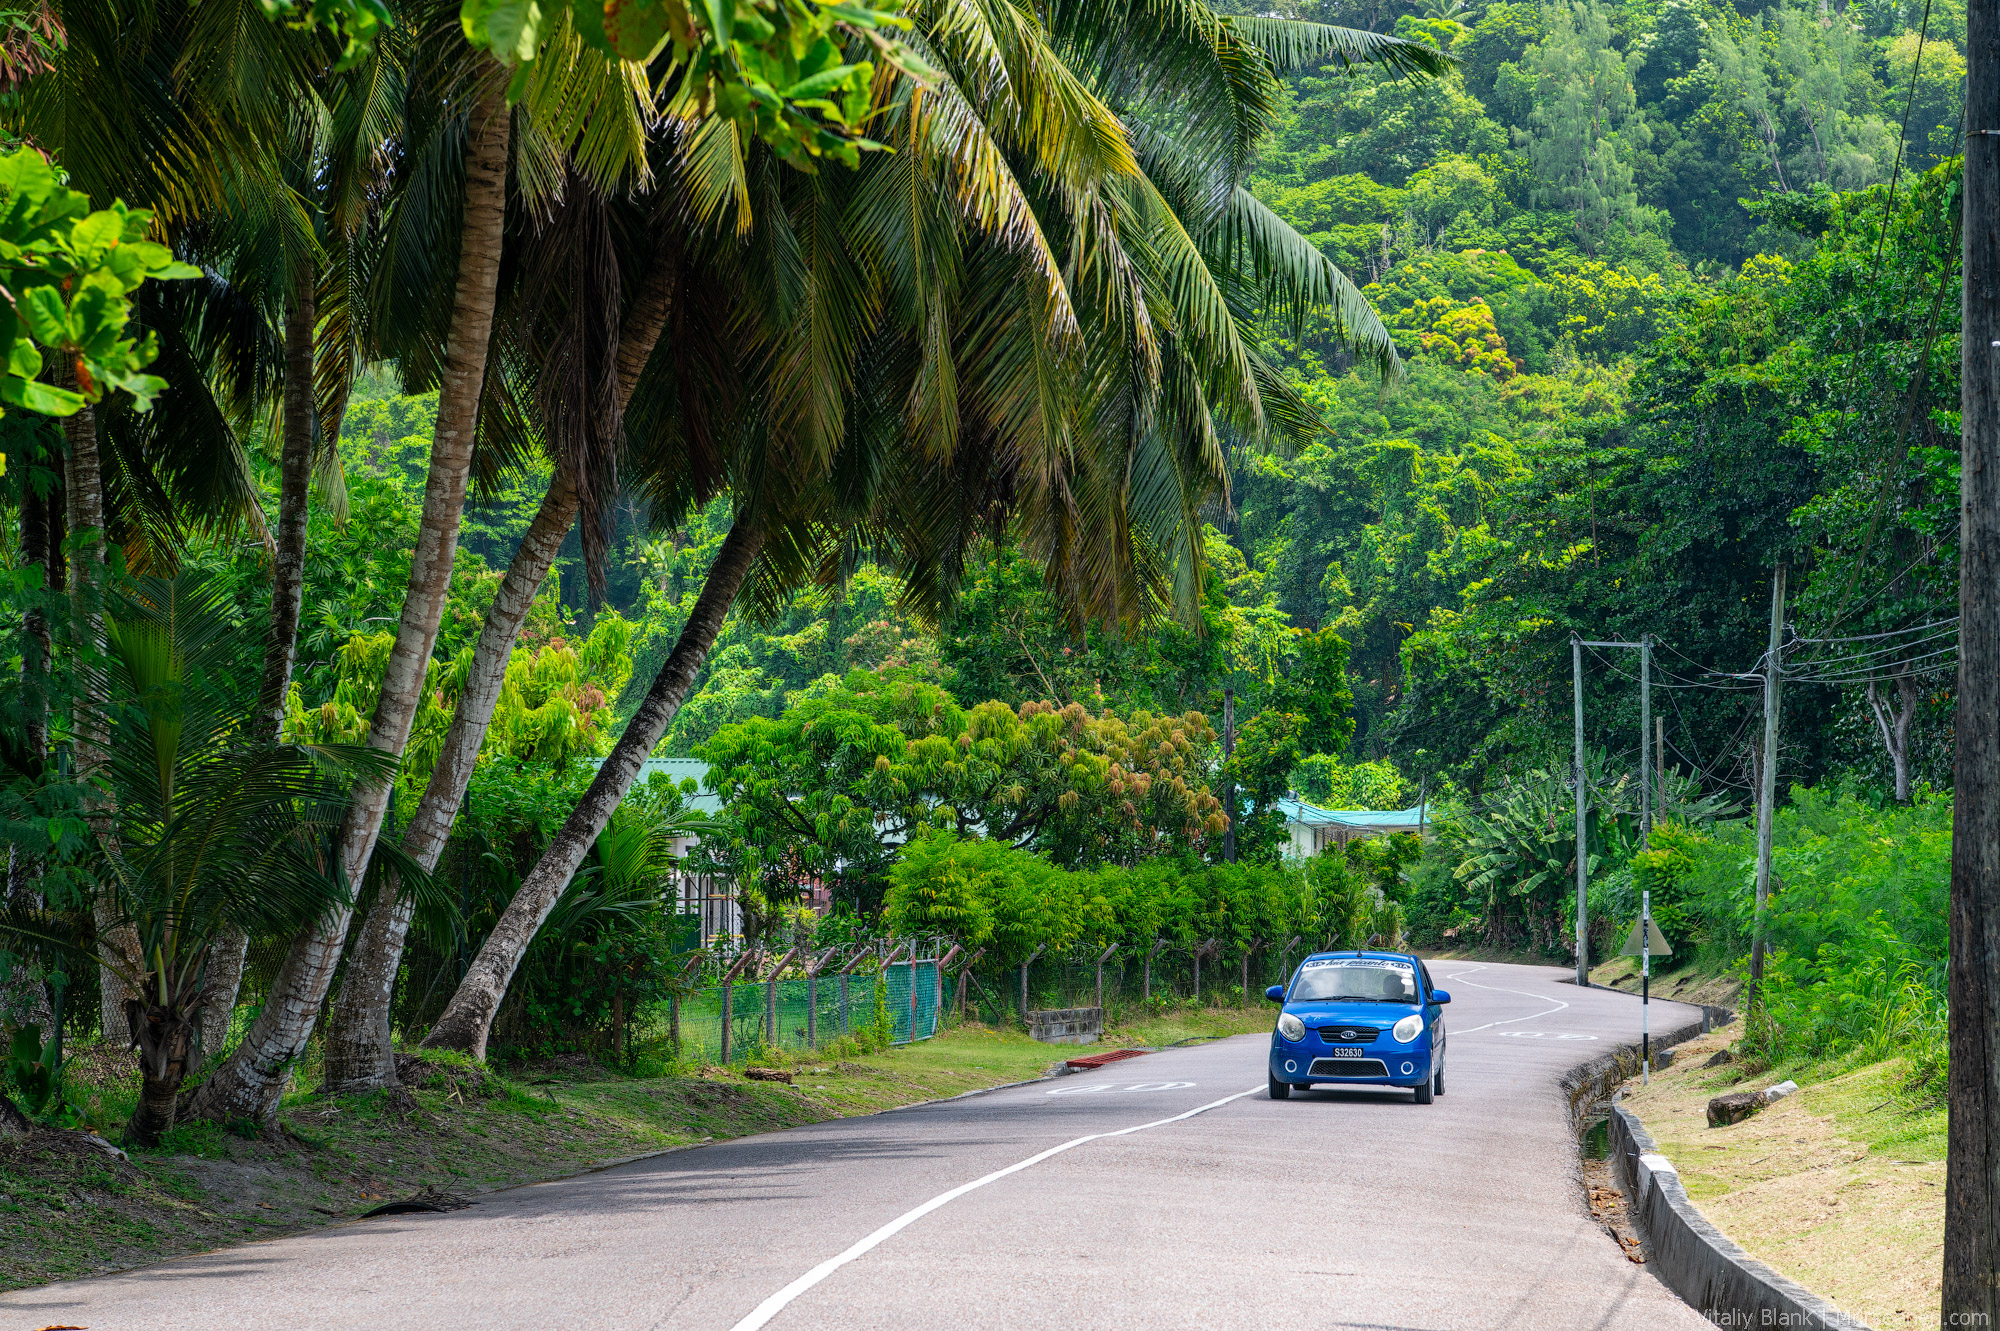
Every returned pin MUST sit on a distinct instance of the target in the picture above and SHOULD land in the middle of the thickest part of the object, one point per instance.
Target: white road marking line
(774, 1305)
(1112, 1088)
(1494, 989)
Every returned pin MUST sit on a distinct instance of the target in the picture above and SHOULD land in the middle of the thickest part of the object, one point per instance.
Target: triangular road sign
(1656, 940)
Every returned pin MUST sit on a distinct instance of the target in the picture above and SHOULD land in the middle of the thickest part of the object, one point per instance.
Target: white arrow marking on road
(774, 1305)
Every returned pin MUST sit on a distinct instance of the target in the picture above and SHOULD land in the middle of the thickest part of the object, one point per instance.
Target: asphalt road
(1165, 1191)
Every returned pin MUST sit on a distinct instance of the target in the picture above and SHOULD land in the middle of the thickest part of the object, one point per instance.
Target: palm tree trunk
(252, 1081)
(83, 490)
(468, 1019)
(219, 989)
(359, 1055)
(166, 1037)
(288, 568)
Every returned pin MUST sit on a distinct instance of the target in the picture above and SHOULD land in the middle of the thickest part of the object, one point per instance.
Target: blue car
(1359, 1019)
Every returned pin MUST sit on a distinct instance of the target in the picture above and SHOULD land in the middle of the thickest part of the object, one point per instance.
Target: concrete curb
(1698, 1261)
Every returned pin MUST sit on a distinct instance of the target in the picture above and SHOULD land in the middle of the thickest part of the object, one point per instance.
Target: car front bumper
(1304, 1065)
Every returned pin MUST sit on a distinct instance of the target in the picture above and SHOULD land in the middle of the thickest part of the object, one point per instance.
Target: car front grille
(1348, 1034)
(1347, 1067)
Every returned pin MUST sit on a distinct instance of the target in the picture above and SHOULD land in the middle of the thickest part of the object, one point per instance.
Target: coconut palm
(926, 364)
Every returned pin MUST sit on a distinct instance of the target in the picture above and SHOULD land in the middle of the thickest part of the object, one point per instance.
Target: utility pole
(1767, 784)
(1645, 741)
(1972, 1152)
(1582, 848)
(1229, 779)
(1660, 761)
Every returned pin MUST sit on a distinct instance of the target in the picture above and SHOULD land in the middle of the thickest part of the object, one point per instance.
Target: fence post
(674, 999)
(943, 961)
(771, 999)
(812, 995)
(965, 980)
(1249, 948)
(1285, 959)
(846, 1006)
(1024, 983)
(728, 1001)
(1102, 958)
(1159, 944)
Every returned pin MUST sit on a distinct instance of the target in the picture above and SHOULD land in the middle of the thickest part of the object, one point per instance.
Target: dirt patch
(1807, 1185)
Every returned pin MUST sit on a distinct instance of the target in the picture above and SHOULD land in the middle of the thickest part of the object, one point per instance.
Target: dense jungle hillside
(1673, 290)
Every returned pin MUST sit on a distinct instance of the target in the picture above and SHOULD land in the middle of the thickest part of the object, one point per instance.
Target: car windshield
(1356, 978)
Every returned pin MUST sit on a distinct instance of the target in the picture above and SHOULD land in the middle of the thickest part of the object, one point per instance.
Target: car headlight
(1408, 1029)
(1291, 1027)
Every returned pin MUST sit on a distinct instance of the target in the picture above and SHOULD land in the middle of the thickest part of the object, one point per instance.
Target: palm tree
(577, 110)
(1078, 397)
(215, 830)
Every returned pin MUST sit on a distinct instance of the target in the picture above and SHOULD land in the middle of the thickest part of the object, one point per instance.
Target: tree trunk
(468, 1019)
(288, 566)
(1894, 726)
(166, 1038)
(83, 491)
(1971, 1292)
(14, 1125)
(219, 988)
(251, 1083)
(359, 1055)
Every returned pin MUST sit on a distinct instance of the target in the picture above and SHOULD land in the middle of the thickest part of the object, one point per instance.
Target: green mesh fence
(902, 1001)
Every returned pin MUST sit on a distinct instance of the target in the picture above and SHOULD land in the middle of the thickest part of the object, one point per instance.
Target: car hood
(1361, 1014)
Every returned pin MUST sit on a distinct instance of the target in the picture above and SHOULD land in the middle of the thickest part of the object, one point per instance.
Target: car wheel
(1424, 1093)
(1437, 1083)
(1280, 1090)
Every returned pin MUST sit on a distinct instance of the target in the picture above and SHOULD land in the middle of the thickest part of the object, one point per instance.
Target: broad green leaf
(43, 308)
(36, 396)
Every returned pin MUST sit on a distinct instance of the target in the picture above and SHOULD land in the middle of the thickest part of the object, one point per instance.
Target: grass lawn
(68, 1209)
(1840, 1187)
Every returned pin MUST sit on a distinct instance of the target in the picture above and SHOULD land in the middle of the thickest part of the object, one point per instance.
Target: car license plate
(1348, 1051)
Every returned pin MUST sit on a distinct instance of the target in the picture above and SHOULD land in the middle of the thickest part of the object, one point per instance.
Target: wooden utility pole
(1229, 781)
(1972, 1167)
(1645, 741)
(1767, 778)
(1582, 849)
(1660, 761)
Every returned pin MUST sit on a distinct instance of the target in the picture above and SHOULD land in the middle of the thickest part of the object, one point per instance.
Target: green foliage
(1015, 901)
(70, 272)
(33, 1069)
(859, 767)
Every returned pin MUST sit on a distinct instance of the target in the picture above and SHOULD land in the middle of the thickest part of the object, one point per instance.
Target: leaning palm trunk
(468, 1019)
(288, 568)
(83, 488)
(251, 1083)
(359, 1054)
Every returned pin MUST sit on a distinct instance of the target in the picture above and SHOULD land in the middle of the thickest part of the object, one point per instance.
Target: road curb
(1698, 1261)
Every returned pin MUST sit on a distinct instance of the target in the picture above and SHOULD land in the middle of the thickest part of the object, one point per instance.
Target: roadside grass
(1840, 1187)
(1697, 982)
(69, 1209)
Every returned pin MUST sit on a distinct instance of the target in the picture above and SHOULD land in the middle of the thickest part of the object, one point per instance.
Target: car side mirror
(1440, 996)
(1276, 993)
